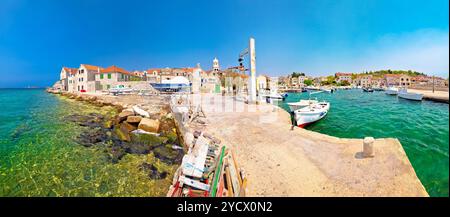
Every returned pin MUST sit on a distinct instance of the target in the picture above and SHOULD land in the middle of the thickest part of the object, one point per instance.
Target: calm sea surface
(421, 127)
(39, 155)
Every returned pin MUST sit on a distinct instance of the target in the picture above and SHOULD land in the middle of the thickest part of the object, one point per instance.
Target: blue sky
(317, 37)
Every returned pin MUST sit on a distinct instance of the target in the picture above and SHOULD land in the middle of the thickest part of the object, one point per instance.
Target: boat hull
(411, 96)
(404, 94)
(305, 116)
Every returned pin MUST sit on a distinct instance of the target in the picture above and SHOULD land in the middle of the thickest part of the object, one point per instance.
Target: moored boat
(311, 113)
(403, 93)
(312, 88)
(272, 95)
(327, 90)
(119, 89)
(300, 104)
(367, 89)
(391, 91)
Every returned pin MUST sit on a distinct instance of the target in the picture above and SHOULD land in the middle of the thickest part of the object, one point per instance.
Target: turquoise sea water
(421, 127)
(40, 156)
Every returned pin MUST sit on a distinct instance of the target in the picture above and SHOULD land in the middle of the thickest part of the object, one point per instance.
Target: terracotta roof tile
(91, 67)
(70, 70)
(155, 69)
(343, 74)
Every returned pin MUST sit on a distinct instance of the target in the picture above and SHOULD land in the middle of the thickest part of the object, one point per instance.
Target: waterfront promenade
(284, 162)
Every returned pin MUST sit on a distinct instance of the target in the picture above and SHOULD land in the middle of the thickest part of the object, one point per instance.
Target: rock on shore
(149, 125)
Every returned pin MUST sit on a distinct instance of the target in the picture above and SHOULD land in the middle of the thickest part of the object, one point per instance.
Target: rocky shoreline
(135, 129)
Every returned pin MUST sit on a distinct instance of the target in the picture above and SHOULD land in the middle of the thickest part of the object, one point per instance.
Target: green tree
(381, 73)
(331, 79)
(297, 74)
(308, 82)
(324, 83)
(345, 83)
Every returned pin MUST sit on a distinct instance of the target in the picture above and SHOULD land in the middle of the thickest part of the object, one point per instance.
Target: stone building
(64, 76)
(341, 77)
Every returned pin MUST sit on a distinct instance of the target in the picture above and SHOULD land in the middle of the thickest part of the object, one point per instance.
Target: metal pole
(252, 81)
(433, 83)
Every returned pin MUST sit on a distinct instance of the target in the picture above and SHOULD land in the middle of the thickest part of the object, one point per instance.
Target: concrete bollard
(368, 147)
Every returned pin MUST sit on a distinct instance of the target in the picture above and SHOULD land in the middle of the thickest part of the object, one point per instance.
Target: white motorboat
(312, 88)
(300, 104)
(276, 96)
(273, 95)
(327, 90)
(403, 93)
(391, 91)
(119, 89)
(311, 113)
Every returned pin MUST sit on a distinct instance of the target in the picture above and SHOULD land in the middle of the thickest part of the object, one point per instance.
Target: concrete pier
(437, 96)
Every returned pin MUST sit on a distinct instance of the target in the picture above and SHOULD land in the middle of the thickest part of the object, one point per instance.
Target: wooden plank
(234, 178)
(197, 193)
(222, 180)
(237, 166)
(221, 187)
(217, 175)
(229, 186)
(193, 164)
(176, 190)
(243, 186)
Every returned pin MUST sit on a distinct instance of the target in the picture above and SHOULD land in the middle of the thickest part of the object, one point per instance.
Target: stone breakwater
(138, 129)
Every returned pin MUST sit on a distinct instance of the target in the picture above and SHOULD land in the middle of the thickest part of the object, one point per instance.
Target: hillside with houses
(382, 78)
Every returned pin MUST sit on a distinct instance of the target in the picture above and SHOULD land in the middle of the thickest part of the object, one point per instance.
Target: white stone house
(85, 78)
(392, 79)
(152, 75)
(210, 82)
(113, 76)
(341, 77)
(261, 82)
(366, 80)
(405, 80)
(64, 77)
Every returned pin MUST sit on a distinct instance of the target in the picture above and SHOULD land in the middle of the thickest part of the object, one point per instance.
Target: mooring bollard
(368, 147)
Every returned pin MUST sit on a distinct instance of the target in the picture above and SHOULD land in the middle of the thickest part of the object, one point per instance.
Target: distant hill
(383, 72)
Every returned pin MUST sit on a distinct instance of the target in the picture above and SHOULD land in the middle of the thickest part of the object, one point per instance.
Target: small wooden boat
(403, 93)
(311, 113)
(367, 89)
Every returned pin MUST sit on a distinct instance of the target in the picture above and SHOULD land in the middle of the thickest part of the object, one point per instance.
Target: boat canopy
(176, 84)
